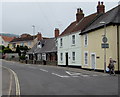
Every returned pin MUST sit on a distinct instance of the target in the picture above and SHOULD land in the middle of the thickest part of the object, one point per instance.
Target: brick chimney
(39, 36)
(79, 14)
(100, 8)
(56, 32)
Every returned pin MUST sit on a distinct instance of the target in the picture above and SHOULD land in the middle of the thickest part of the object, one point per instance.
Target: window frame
(73, 56)
(61, 42)
(86, 58)
(61, 57)
(86, 40)
(73, 39)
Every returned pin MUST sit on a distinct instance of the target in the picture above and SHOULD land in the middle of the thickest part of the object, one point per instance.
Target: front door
(93, 61)
(66, 59)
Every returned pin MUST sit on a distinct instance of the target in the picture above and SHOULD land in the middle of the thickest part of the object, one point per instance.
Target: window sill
(73, 61)
(61, 61)
(85, 64)
(73, 45)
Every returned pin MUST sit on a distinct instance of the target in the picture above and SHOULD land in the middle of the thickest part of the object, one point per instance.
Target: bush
(22, 57)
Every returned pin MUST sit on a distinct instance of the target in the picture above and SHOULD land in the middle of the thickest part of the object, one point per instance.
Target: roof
(6, 38)
(24, 39)
(74, 26)
(110, 17)
(49, 45)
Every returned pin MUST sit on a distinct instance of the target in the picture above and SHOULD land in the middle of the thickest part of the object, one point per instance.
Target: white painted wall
(68, 47)
(2, 42)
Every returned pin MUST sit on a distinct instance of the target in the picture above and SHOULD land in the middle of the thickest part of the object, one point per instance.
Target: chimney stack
(79, 14)
(100, 8)
(56, 32)
(39, 36)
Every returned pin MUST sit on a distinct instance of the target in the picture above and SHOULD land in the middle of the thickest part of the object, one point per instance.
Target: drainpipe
(118, 46)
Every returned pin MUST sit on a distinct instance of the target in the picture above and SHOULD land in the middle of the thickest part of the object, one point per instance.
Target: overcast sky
(18, 17)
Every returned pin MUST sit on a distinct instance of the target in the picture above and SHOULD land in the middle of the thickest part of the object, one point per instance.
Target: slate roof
(74, 26)
(110, 17)
(49, 45)
(29, 38)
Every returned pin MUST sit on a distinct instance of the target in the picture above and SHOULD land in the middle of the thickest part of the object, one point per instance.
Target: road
(53, 80)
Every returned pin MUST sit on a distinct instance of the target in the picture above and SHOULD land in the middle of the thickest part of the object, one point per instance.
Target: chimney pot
(100, 8)
(79, 14)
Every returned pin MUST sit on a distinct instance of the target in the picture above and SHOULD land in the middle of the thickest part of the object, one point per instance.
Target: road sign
(104, 39)
(105, 45)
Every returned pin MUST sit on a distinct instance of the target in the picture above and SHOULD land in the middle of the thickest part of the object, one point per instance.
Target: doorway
(66, 59)
(93, 61)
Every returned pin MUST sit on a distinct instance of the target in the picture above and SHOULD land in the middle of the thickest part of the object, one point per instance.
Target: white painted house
(4, 40)
(69, 41)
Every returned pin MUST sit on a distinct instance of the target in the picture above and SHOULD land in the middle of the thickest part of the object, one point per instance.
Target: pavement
(55, 80)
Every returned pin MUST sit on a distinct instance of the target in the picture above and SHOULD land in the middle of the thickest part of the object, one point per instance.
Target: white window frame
(86, 40)
(61, 42)
(73, 40)
(73, 56)
(86, 58)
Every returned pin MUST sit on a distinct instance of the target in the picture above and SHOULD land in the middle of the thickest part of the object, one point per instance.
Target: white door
(93, 61)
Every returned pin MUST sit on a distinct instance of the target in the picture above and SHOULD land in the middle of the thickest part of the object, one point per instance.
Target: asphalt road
(54, 80)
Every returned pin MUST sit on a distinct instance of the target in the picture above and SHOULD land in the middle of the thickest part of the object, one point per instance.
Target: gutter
(118, 47)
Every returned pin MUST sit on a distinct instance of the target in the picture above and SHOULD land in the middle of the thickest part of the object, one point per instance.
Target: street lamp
(33, 26)
(104, 44)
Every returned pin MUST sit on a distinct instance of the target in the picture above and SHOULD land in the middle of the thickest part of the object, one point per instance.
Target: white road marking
(59, 75)
(72, 73)
(16, 81)
(10, 86)
(84, 75)
(44, 70)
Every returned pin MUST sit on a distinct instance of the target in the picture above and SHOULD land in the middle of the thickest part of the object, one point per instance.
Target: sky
(18, 17)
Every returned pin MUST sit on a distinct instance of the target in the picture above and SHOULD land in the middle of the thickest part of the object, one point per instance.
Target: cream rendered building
(91, 37)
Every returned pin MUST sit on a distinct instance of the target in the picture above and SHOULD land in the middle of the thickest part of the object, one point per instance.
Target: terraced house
(93, 54)
(44, 50)
(69, 42)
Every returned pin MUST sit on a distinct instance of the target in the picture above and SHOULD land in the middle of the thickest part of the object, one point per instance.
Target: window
(39, 45)
(73, 56)
(86, 40)
(86, 58)
(73, 39)
(29, 43)
(22, 44)
(61, 56)
(61, 44)
(2, 42)
(14, 45)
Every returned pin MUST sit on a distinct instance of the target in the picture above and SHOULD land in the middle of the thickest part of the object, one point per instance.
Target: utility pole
(33, 26)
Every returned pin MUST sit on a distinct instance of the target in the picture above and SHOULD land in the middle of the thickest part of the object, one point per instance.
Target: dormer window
(39, 45)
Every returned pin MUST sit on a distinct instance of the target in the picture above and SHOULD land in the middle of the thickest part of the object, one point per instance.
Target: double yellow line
(16, 82)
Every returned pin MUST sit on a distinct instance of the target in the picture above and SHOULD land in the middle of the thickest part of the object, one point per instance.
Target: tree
(7, 50)
(18, 50)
